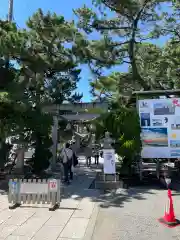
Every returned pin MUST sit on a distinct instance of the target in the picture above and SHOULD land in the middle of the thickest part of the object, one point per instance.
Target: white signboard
(109, 161)
(53, 185)
(160, 127)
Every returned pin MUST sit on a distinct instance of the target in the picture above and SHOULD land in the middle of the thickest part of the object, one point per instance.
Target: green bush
(123, 124)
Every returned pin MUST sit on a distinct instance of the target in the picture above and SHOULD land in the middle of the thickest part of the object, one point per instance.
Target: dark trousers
(88, 161)
(67, 171)
(96, 157)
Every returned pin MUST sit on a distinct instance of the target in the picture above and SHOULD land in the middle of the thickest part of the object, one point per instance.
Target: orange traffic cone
(169, 217)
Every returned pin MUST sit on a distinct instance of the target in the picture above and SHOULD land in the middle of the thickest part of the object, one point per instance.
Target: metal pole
(10, 11)
(10, 18)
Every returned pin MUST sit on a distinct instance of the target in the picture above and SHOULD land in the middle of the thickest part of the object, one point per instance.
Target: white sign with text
(109, 161)
(53, 185)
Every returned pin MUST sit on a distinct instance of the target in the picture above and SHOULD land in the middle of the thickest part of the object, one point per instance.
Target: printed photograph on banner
(144, 106)
(156, 137)
(175, 143)
(165, 120)
(157, 122)
(175, 125)
(160, 122)
(145, 119)
(174, 135)
(164, 108)
(175, 153)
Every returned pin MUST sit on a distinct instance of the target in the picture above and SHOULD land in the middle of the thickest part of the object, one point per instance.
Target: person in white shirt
(66, 155)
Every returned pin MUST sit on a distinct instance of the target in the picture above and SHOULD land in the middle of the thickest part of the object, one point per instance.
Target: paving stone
(30, 227)
(67, 239)
(41, 212)
(69, 203)
(85, 209)
(5, 215)
(3, 206)
(59, 218)
(20, 217)
(48, 233)
(6, 230)
(11, 237)
(75, 228)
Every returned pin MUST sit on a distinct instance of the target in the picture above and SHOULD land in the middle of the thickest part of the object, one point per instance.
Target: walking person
(101, 153)
(74, 157)
(67, 155)
(96, 156)
(88, 153)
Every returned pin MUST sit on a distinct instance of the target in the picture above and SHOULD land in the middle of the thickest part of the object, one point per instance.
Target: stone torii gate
(79, 112)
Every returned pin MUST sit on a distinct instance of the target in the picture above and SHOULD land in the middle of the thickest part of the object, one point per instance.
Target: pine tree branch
(94, 25)
(116, 10)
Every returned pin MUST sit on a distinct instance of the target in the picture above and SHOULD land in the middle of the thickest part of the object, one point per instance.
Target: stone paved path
(85, 214)
(37, 223)
(134, 215)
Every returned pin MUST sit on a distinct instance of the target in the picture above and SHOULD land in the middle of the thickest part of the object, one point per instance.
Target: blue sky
(25, 8)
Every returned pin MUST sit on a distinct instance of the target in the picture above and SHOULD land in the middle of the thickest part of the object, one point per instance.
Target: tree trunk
(19, 168)
(55, 140)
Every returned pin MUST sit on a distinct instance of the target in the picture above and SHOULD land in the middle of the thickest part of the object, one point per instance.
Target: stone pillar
(55, 140)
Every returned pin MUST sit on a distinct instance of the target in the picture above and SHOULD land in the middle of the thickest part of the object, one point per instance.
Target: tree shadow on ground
(106, 199)
(82, 187)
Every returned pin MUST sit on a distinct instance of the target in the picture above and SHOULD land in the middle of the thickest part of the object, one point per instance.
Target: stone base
(108, 182)
(108, 177)
(107, 185)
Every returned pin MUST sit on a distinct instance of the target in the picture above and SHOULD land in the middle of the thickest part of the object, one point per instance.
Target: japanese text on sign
(109, 161)
(53, 185)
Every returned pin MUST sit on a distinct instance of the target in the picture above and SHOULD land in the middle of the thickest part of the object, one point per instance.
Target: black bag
(75, 160)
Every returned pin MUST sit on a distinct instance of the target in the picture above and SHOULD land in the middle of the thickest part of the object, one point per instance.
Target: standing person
(74, 158)
(96, 156)
(101, 153)
(66, 155)
(88, 153)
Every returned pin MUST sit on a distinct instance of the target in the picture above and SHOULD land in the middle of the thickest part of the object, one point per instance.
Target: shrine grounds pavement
(88, 214)
(73, 220)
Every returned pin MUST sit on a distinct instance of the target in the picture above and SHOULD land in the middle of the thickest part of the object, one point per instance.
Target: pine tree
(45, 73)
(124, 29)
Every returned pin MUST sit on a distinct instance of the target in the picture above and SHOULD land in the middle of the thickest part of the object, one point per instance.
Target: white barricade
(34, 191)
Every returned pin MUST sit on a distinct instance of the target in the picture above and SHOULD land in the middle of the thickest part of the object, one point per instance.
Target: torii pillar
(55, 140)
